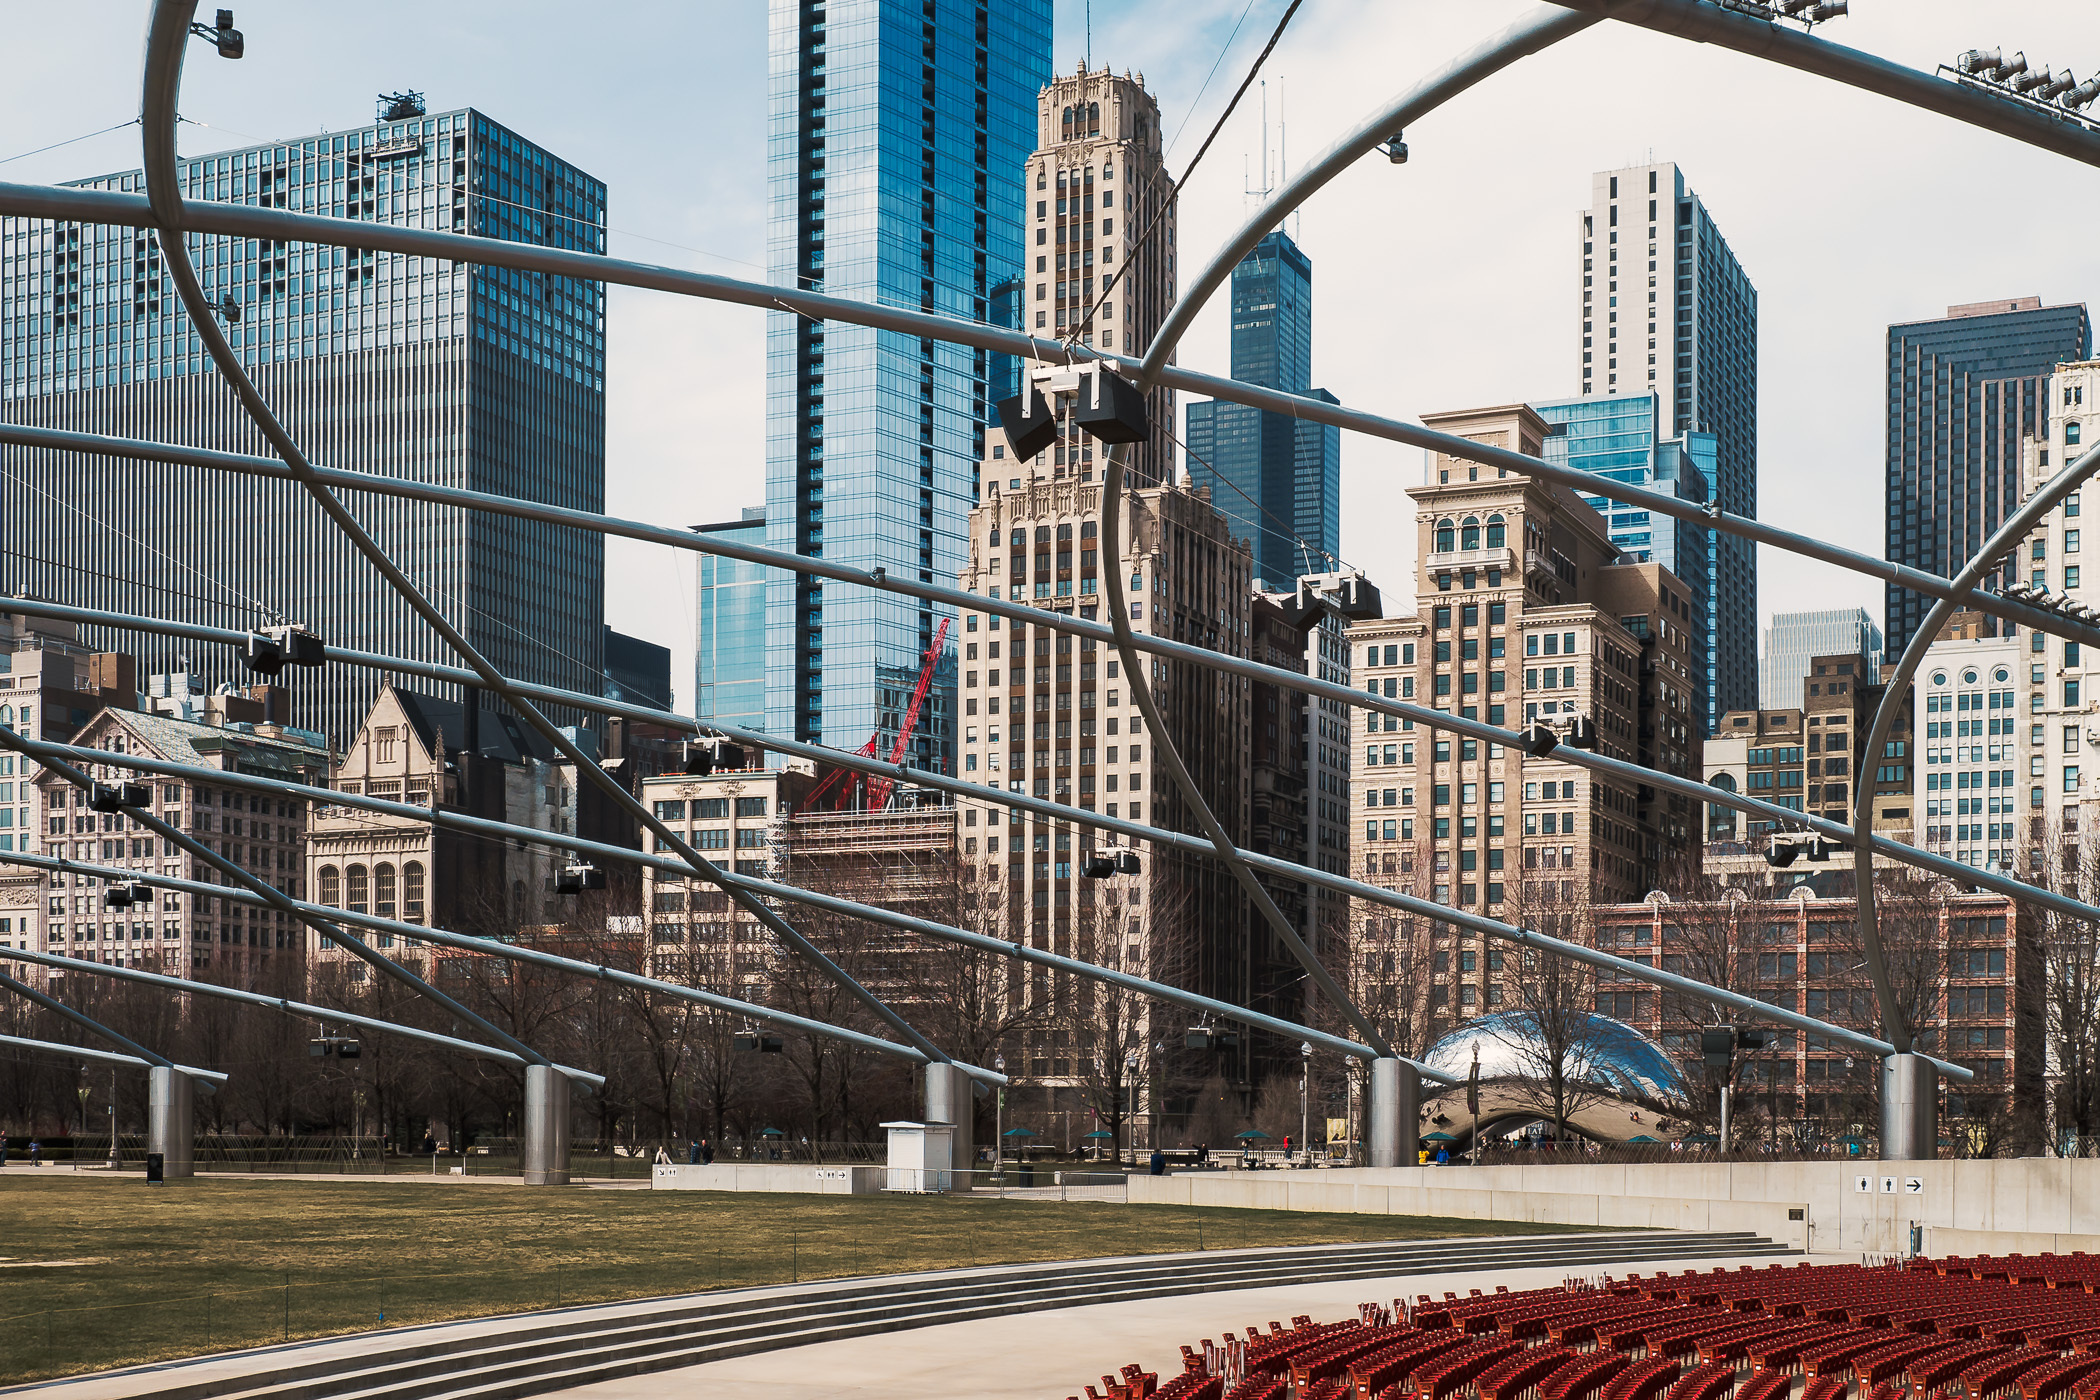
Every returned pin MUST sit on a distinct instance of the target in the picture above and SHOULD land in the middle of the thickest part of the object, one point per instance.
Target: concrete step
(545, 1352)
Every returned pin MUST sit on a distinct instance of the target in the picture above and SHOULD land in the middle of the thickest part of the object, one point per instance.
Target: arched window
(355, 895)
(1019, 540)
(2071, 430)
(331, 886)
(412, 892)
(1469, 533)
(1720, 820)
(1446, 537)
(1495, 534)
(1093, 118)
(383, 892)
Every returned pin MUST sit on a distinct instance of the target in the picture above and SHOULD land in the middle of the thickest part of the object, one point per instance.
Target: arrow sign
(1913, 1185)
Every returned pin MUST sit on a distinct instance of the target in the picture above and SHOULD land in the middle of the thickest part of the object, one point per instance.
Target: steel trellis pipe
(104, 206)
(1595, 762)
(1433, 719)
(210, 1078)
(205, 1079)
(872, 913)
(166, 39)
(1405, 903)
(2008, 535)
(54, 760)
(189, 986)
(444, 938)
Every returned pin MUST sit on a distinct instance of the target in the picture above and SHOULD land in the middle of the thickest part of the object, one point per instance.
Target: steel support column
(1392, 1113)
(948, 1101)
(544, 1149)
(1910, 1119)
(171, 1128)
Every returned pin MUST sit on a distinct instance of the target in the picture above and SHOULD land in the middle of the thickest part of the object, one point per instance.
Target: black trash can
(156, 1169)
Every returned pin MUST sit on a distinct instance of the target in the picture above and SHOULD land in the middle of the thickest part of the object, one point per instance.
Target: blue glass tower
(729, 645)
(444, 372)
(1276, 478)
(897, 137)
(1675, 316)
(1963, 392)
(1619, 437)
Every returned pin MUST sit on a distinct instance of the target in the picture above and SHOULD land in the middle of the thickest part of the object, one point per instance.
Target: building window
(412, 892)
(356, 895)
(331, 886)
(383, 891)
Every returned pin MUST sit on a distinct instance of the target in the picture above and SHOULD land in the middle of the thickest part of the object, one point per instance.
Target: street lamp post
(1128, 1104)
(999, 1126)
(113, 1160)
(83, 1092)
(1305, 1098)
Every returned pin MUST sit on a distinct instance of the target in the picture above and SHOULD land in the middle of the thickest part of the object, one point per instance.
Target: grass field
(212, 1265)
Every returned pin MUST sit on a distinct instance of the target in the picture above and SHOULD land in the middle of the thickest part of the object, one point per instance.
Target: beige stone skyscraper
(1096, 185)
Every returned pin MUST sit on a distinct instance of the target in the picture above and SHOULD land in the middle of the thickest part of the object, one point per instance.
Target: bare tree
(1554, 999)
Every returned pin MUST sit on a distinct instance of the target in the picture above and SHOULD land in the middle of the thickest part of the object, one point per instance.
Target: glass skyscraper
(729, 645)
(1963, 392)
(1276, 478)
(1619, 437)
(441, 371)
(1676, 317)
(896, 141)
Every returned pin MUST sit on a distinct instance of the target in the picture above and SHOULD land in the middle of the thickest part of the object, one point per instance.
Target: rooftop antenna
(1090, 39)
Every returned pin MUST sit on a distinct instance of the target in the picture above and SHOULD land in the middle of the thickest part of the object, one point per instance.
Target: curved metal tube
(208, 1077)
(1988, 555)
(166, 36)
(1790, 48)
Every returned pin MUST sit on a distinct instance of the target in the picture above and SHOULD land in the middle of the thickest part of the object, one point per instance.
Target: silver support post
(948, 1101)
(171, 1122)
(545, 1151)
(1393, 1113)
(1910, 1121)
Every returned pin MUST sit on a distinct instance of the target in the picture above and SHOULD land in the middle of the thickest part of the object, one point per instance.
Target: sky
(1450, 282)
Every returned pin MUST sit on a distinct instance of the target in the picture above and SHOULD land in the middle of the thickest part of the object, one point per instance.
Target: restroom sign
(1888, 1186)
(1862, 1184)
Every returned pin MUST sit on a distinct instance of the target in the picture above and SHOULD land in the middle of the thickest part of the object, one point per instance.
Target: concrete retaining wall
(797, 1178)
(1989, 1206)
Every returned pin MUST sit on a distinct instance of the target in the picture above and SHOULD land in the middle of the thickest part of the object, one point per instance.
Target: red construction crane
(859, 791)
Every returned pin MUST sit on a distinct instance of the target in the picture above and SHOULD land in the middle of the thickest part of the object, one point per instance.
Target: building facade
(1966, 966)
(637, 671)
(2063, 779)
(429, 752)
(1810, 756)
(1050, 714)
(1795, 639)
(1276, 478)
(896, 132)
(1696, 310)
(449, 373)
(182, 935)
(1964, 393)
(729, 642)
(1974, 747)
(1522, 615)
(1619, 436)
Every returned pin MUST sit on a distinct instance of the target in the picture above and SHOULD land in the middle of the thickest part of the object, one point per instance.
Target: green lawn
(211, 1265)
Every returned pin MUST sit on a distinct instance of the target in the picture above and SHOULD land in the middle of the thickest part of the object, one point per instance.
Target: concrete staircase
(536, 1353)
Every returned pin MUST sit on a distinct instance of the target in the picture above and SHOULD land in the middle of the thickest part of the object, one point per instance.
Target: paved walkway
(1050, 1355)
